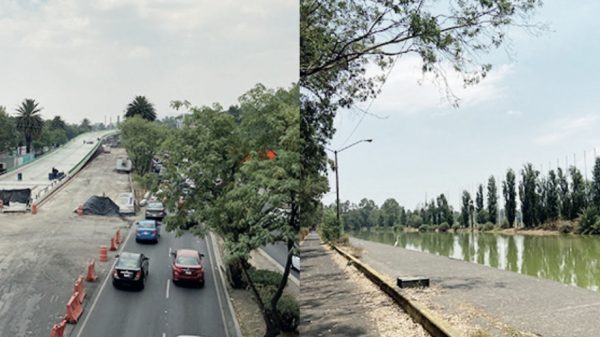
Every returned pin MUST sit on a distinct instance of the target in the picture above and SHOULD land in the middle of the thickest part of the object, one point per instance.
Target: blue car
(147, 230)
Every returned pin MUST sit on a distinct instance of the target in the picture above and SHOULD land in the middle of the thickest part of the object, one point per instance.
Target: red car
(187, 267)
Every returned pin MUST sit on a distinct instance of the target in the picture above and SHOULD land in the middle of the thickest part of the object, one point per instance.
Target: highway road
(35, 174)
(161, 309)
(278, 251)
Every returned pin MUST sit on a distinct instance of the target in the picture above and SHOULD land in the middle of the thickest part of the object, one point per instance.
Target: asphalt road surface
(161, 309)
(278, 251)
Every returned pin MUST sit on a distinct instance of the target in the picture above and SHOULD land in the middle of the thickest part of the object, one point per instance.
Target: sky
(539, 104)
(89, 59)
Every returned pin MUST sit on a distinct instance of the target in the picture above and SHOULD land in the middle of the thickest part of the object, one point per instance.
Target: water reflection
(567, 259)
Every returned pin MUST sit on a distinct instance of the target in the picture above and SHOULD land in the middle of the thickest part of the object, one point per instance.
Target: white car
(296, 262)
(126, 203)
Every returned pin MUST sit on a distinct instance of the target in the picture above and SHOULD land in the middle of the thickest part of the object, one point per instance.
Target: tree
(142, 139)
(465, 210)
(578, 194)
(492, 200)
(445, 210)
(247, 198)
(29, 122)
(528, 195)
(552, 196)
(341, 40)
(564, 195)
(390, 210)
(86, 125)
(8, 135)
(58, 123)
(595, 186)
(510, 197)
(141, 107)
(479, 207)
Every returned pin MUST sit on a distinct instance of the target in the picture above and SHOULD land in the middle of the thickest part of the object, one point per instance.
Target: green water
(571, 260)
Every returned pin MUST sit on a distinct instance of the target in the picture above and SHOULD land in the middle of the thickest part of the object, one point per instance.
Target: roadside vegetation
(26, 127)
(235, 172)
(561, 201)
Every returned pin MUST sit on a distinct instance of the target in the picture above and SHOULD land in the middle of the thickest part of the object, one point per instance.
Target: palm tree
(141, 107)
(29, 122)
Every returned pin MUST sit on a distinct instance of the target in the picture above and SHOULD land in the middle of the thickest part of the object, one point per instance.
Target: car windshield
(187, 260)
(128, 261)
(146, 224)
(155, 205)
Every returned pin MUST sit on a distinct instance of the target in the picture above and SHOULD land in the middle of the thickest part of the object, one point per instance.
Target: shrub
(455, 227)
(565, 227)
(398, 228)
(235, 274)
(287, 308)
(344, 240)
(504, 224)
(488, 226)
(425, 228)
(443, 227)
(265, 278)
(589, 221)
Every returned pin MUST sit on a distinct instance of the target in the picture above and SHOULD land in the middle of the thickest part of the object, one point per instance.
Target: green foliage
(142, 140)
(288, 309)
(265, 278)
(552, 196)
(329, 229)
(456, 227)
(565, 227)
(29, 122)
(529, 197)
(492, 200)
(578, 194)
(595, 185)
(510, 197)
(8, 135)
(564, 195)
(390, 210)
(589, 221)
(479, 207)
(443, 227)
(426, 228)
(140, 106)
(415, 220)
(465, 209)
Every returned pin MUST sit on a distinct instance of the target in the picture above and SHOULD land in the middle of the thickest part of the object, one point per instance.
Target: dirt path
(41, 255)
(336, 300)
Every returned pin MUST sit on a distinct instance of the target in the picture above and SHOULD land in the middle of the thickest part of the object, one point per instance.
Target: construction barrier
(91, 272)
(103, 254)
(79, 289)
(113, 244)
(58, 330)
(74, 309)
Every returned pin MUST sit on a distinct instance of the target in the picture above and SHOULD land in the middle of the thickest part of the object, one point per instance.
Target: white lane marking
(108, 275)
(169, 251)
(164, 335)
(168, 285)
(213, 262)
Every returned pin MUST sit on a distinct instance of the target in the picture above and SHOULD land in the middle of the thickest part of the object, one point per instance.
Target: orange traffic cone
(91, 272)
(113, 244)
(103, 254)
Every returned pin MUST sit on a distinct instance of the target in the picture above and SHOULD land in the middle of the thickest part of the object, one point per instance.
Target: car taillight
(138, 275)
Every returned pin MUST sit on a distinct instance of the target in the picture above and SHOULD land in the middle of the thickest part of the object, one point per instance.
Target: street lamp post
(337, 178)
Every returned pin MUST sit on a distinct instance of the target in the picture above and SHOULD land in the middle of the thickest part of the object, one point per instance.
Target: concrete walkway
(542, 307)
(329, 303)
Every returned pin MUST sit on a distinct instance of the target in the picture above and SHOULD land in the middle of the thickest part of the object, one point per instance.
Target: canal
(569, 259)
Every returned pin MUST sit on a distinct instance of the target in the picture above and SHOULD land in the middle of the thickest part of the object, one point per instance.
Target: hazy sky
(90, 58)
(538, 105)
